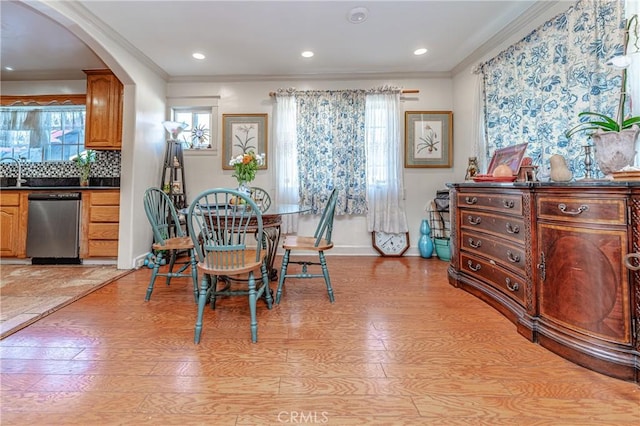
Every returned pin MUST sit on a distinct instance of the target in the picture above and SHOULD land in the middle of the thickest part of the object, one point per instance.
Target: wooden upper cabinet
(103, 128)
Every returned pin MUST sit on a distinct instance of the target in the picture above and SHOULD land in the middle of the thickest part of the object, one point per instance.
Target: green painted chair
(261, 197)
(320, 242)
(225, 233)
(169, 239)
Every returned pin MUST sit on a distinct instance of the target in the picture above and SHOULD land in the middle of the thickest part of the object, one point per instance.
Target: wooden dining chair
(261, 197)
(320, 242)
(226, 237)
(169, 239)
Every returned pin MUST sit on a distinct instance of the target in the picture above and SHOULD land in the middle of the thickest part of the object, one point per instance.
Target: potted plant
(84, 161)
(614, 138)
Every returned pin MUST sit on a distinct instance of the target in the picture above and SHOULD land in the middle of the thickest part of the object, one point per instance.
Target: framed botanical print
(428, 139)
(242, 133)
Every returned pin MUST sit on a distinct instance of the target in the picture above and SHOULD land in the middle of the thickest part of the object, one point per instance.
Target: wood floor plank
(400, 346)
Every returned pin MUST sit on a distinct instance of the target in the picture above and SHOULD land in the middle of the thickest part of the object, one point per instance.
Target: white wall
(350, 235)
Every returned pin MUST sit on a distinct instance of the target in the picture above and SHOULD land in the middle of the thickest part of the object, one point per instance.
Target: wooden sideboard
(551, 258)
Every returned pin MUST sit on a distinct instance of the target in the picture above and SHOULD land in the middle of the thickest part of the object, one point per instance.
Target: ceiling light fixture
(358, 15)
(307, 54)
(8, 69)
(198, 55)
(420, 51)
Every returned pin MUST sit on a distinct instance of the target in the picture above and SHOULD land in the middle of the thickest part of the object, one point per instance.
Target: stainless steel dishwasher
(53, 228)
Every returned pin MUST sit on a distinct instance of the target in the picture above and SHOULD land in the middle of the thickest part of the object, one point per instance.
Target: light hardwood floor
(399, 347)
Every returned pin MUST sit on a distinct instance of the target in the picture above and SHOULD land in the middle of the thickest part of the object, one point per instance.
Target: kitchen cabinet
(573, 294)
(13, 224)
(103, 127)
(100, 224)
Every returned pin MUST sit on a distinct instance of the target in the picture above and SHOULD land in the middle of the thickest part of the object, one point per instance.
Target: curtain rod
(402, 91)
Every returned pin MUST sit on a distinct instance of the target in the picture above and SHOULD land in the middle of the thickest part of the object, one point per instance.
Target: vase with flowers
(245, 166)
(83, 162)
(614, 138)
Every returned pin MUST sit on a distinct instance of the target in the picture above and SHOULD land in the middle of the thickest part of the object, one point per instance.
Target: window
(42, 132)
(198, 134)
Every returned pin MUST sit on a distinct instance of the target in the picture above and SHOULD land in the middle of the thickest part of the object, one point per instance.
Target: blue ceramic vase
(425, 245)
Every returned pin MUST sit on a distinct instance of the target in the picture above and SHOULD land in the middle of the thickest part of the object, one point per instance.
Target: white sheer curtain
(286, 157)
(385, 187)
(477, 124)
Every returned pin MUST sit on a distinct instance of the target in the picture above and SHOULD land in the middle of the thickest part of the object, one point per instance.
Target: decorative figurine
(559, 170)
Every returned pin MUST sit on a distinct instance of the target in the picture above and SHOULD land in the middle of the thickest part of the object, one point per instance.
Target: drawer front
(103, 231)
(508, 227)
(609, 211)
(509, 255)
(104, 214)
(510, 203)
(9, 198)
(105, 198)
(499, 278)
(103, 248)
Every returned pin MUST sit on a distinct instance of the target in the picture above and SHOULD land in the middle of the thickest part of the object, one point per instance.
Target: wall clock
(390, 244)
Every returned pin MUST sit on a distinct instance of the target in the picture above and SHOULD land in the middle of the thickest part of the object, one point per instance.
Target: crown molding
(308, 77)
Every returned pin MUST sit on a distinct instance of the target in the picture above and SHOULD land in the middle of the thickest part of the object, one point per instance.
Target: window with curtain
(40, 133)
(534, 90)
(347, 139)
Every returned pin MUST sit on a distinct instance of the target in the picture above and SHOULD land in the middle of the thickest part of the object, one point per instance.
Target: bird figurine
(559, 170)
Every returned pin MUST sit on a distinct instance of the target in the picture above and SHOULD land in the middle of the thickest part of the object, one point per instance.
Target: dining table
(271, 226)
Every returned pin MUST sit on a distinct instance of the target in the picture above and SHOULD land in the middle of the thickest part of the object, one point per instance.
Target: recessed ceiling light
(420, 51)
(8, 68)
(307, 54)
(198, 55)
(358, 15)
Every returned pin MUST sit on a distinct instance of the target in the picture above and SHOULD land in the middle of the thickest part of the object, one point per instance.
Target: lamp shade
(174, 127)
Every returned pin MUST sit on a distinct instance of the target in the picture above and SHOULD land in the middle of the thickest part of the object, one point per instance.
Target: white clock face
(391, 244)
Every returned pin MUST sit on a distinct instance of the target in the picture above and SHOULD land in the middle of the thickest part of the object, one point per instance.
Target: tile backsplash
(107, 165)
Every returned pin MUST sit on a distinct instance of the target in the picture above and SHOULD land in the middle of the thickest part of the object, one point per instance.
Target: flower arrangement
(246, 165)
(84, 161)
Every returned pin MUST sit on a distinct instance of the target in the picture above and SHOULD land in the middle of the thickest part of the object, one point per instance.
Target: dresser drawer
(509, 255)
(508, 283)
(502, 226)
(606, 211)
(510, 203)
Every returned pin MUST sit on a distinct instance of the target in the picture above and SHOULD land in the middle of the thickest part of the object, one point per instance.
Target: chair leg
(252, 307)
(265, 283)
(283, 273)
(154, 274)
(172, 262)
(194, 273)
(325, 272)
(202, 302)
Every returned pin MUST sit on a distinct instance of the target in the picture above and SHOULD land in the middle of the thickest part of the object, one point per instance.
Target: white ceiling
(264, 39)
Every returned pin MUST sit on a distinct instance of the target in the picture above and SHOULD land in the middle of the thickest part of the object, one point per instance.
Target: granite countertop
(8, 183)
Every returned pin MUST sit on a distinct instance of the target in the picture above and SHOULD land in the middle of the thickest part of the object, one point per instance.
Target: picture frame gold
(242, 133)
(428, 139)
(511, 156)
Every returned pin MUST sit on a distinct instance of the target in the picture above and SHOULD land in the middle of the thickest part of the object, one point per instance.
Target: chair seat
(295, 242)
(226, 268)
(176, 243)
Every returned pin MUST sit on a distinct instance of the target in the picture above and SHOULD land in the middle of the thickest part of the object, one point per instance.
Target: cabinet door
(103, 127)
(9, 229)
(584, 285)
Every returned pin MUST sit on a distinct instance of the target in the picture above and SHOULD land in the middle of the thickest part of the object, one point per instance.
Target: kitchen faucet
(19, 180)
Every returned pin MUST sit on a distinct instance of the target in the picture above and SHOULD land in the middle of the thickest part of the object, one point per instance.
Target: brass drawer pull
(632, 265)
(514, 258)
(510, 286)
(475, 244)
(508, 204)
(563, 209)
(474, 268)
(475, 220)
(512, 229)
(471, 200)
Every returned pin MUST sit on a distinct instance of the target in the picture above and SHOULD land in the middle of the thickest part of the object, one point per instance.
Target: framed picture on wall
(428, 139)
(242, 133)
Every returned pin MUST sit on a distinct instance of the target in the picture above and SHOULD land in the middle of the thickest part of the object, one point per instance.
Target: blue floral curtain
(331, 147)
(534, 90)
